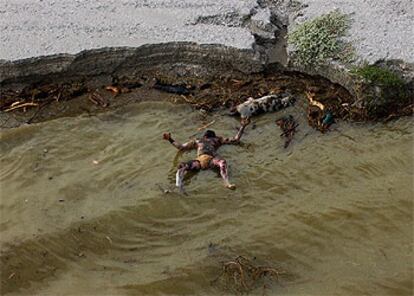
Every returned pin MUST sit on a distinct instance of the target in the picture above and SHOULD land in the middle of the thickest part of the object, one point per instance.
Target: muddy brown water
(83, 213)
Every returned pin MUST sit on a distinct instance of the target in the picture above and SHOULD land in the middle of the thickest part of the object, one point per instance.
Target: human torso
(208, 146)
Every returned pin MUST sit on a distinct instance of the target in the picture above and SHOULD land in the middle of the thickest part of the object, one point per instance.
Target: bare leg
(222, 165)
(183, 168)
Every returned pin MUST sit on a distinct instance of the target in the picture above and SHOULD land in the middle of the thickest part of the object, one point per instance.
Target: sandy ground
(381, 29)
(43, 27)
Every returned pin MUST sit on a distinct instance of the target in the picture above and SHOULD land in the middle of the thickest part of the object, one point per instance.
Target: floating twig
(290, 130)
(202, 128)
(113, 89)
(23, 105)
(206, 126)
(15, 104)
(38, 112)
(98, 100)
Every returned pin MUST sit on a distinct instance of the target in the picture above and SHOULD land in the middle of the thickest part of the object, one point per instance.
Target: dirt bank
(44, 101)
(239, 40)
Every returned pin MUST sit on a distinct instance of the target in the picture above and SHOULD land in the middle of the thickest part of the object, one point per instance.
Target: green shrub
(379, 76)
(383, 90)
(319, 39)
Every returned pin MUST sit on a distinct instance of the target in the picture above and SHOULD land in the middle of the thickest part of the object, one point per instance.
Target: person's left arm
(236, 139)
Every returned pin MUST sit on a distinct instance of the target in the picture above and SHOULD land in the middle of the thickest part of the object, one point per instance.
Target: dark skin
(207, 157)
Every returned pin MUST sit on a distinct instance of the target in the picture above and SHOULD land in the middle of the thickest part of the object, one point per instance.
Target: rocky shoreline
(198, 43)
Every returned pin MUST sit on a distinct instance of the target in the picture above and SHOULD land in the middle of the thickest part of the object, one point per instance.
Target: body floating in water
(207, 157)
(270, 103)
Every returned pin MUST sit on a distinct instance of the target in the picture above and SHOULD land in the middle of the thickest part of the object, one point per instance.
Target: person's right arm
(185, 146)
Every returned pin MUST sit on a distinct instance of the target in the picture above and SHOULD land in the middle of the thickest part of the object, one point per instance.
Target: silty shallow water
(82, 212)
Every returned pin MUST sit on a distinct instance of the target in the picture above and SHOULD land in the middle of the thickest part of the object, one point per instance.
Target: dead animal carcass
(270, 103)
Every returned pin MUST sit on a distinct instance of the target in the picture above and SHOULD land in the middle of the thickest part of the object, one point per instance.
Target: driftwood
(18, 105)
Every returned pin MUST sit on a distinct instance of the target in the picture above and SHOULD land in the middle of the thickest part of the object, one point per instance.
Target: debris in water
(240, 83)
(109, 239)
(29, 121)
(406, 111)
(206, 126)
(115, 90)
(223, 90)
(327, 120)
(203, 128)
(243, 275)
(174, 89)
(314, 115)
(313, 102)
(163, 190)
(320, 116)
(288, 126)
(125, 84)
(95, 161)
(98, 100)
(18, 105)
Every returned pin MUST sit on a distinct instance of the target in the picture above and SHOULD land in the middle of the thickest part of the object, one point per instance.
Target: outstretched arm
(186, 146)
(237, 137)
